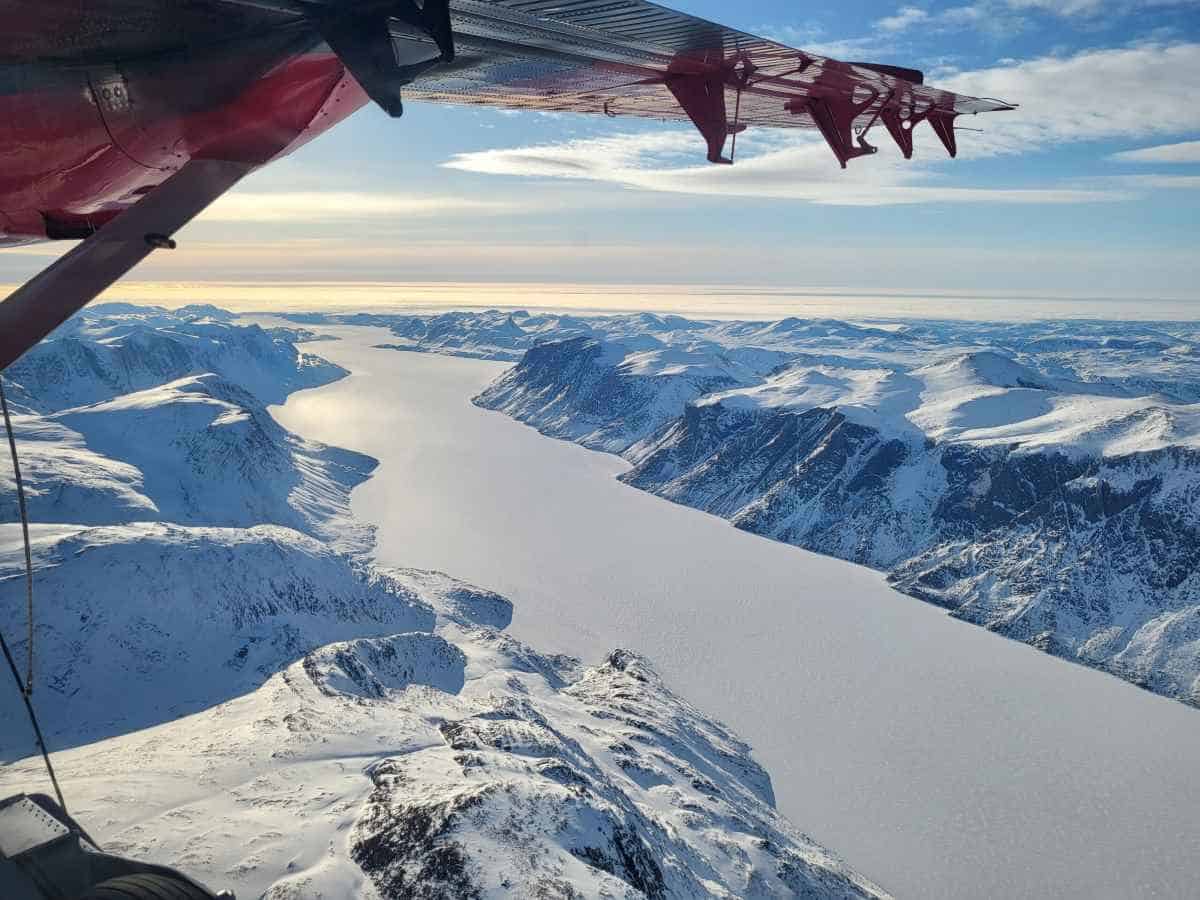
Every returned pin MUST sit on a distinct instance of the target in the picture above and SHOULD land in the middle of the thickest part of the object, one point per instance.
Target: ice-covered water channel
(938, 759)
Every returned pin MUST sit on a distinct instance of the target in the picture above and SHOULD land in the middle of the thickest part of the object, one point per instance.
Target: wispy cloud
(999, 19)
(993, 17)
(1008, 18)
(1185, 152)
(815, 39)
(333, 206)
(789, 167)
(1093, 8)
(904, 18)
(1157, 182)
(1130, 92)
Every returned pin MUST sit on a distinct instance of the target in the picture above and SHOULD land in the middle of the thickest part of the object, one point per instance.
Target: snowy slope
(66, 481)
(359, 733)
(148, 445)
(195, 451)
(568, 389)
(234, 690)
(210, 453)
(1041, 479)
(152, 621)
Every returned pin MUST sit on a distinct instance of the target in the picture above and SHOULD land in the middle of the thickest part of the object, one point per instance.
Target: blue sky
(1091, 189)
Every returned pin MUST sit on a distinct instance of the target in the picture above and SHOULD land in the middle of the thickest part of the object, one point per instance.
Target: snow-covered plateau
(233, 688)
(1040, 479)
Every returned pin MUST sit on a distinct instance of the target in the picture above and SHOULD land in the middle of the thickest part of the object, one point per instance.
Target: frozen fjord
(938, 759)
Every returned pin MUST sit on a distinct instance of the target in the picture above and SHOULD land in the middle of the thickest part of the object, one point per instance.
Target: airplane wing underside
(635, 58)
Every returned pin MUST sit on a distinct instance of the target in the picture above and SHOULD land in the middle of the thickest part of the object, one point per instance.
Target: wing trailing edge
(636, 58)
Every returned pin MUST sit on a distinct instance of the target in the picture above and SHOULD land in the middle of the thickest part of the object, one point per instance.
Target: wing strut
(77, 278)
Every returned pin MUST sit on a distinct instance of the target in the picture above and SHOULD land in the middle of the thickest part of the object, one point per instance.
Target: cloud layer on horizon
(327, 206)
(1184, 152)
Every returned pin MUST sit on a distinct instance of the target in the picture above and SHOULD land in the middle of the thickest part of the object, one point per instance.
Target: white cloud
(1186, 152)
(1093, 8)
(1065, 8)
(321, 206)
(1158, 182)
(1127, 92)
(905, 17)
(814, 40)
(995, 17)
(797, 166)
(1006, 18)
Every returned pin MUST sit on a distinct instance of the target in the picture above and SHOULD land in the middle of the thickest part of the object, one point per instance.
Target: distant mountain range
(235, 689)
(1039, 479)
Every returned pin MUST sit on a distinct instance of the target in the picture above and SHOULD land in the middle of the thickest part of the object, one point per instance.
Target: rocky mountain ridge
(1042, 485)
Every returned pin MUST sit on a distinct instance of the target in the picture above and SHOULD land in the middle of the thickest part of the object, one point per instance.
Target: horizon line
(715, 300)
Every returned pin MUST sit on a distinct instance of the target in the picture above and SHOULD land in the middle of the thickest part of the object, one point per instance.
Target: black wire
(24, 510)
(26, 688)
(37, 730)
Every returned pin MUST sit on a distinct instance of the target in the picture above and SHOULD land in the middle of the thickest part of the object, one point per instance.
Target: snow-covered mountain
(1040, 479)
(163, 433)
(151, 621)
(115, 349)
(235, 690)
(571, 387)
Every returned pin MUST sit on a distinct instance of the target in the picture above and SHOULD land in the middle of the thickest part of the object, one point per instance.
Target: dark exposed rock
(407, 850)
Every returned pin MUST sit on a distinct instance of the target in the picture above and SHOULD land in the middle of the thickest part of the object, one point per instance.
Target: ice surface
(939, 759)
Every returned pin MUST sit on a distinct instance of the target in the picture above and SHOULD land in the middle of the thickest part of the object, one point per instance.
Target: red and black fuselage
(100, 102)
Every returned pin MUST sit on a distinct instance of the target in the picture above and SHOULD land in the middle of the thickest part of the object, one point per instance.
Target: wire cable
(26, 688)
(24, 510)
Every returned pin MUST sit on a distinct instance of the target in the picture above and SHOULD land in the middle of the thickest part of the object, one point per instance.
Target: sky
(1090, 190)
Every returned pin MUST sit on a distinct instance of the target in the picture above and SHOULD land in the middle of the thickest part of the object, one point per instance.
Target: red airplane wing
(636, 58)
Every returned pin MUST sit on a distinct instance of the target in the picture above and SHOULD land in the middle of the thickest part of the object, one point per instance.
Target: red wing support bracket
(834, 118)
(702, 97)
(943, 127)
(901, 130)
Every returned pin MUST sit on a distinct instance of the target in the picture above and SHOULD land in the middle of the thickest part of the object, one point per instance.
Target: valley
(231, 686)
(243, 674)
(932, 753)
